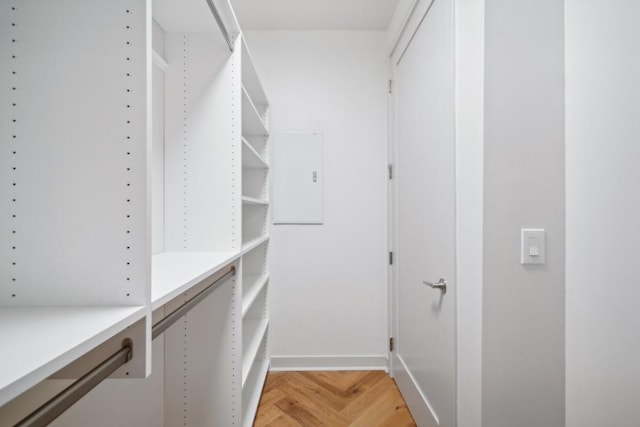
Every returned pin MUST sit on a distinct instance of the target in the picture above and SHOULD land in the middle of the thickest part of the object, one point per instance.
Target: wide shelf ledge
(173, 273)
(39, 341)
(250, 157)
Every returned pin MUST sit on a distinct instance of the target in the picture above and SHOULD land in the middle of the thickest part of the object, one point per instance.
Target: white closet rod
(218, 19)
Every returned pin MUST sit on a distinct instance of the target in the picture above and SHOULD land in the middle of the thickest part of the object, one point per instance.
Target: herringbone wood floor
(335, 399)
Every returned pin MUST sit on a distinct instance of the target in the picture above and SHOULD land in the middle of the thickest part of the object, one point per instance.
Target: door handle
(442, 285)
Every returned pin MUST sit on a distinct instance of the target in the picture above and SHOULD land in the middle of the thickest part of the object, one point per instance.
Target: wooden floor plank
(363, 403)
(314, 403)
(332, 398)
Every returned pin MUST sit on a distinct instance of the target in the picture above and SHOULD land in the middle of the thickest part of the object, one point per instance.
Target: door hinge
(390, 86)
(390, 258)
(391, 344)
(390, 167)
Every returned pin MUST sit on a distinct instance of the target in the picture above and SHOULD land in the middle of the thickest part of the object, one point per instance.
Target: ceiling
(314, 14)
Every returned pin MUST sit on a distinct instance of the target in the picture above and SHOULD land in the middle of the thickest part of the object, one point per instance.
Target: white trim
(421, 408)
(329, 363)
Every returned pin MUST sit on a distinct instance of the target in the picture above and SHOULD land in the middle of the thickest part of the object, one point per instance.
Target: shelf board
(251, 350)
(250, 157)
(253, 201)
(173, 273)
(252, 123)
(39, 341)
(250, 78)
(258, 283)
(252, 400)
(253, 243)
(159, 61)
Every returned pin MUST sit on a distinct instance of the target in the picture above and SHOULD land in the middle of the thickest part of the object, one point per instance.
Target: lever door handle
(442, 285)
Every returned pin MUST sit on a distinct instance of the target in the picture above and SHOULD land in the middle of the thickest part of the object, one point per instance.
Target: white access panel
(298, 194)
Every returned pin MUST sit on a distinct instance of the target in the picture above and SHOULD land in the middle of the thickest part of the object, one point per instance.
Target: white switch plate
(532, 250)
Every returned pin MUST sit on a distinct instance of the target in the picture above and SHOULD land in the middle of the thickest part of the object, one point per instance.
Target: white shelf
(252, 346)
(250, 157)
(253, 201)
(159, 61)
(254, 243)
(250, 402)
(255, 284)
(250, 79)
(39, 341)
(172, 273)
(252, 121)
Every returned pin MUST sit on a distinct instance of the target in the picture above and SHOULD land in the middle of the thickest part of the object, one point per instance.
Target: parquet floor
(335, 399)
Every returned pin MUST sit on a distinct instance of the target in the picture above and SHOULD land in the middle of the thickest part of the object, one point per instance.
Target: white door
(425, 360)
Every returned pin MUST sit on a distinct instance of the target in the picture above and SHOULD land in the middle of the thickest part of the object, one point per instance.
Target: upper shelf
(250, 79)
(39, 341)
(172, 273)
(252, 120)
(193, 16)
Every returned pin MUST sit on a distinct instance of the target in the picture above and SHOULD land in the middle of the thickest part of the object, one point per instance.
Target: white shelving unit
(120, 206)
(73, 193)
(256, 219)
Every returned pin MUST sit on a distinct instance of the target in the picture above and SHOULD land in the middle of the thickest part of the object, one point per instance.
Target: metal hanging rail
(52, 409)
(220, 23)
(176, 314)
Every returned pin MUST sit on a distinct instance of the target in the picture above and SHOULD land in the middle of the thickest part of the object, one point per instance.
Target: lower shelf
(36, 348)
(254, 334)
(252, 391)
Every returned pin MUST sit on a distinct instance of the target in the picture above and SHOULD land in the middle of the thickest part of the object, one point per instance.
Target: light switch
(532, 246)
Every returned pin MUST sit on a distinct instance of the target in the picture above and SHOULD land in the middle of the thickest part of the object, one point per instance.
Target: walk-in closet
(262, 213)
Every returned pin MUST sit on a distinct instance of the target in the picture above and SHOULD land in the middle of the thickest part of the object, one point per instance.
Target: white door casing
(424, 364)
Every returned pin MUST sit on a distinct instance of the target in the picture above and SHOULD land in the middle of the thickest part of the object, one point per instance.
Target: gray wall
(523, 307)
(603, 213)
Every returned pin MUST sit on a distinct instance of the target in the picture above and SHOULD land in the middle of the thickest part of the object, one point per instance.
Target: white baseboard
(418, 404)
(328, 363)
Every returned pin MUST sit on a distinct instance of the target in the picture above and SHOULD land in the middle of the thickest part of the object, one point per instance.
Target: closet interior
(135, 180)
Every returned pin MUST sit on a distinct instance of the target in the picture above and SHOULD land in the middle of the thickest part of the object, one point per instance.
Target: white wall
(603, 213)
(328, 282)
(523, 306)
